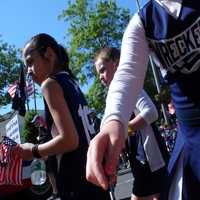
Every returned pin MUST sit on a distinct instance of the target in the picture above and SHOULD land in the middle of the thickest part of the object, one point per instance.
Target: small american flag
(39, 121)
(12, 89)
(29, 86)
(10, 163)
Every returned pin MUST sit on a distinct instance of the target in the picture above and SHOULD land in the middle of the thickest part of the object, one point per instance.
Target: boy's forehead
(99, 61)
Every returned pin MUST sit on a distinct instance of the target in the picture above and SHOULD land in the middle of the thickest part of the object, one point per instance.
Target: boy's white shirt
(147, 110)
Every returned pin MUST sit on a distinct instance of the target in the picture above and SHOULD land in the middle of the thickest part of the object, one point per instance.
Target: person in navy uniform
(146, 149)
(67, 118)
(169, 32)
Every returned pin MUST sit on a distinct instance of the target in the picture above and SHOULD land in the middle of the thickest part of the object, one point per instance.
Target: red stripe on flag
(12, 90)
(10, 164)
(2, 175)
(14, 176)
(29, 87)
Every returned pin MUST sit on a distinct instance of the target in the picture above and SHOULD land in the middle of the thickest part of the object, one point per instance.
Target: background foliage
(93, 25)
(90, 26)
(9, 69)
(30, 131)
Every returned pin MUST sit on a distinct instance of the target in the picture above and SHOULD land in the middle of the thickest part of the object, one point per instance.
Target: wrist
(35, 151)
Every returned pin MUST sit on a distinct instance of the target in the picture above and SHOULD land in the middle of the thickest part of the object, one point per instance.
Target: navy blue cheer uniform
(176, 44)
(71, 180)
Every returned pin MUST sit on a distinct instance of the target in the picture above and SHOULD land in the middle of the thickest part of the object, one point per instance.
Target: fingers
(103, 155)
(94, 167)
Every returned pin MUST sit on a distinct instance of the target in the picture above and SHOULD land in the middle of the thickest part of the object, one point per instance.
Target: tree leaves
(9, 69)
(92, 25)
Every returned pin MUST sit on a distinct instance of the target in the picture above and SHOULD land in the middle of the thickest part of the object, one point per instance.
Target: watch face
(35, 152)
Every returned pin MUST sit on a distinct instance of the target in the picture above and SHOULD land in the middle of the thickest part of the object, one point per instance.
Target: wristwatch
(35, 151)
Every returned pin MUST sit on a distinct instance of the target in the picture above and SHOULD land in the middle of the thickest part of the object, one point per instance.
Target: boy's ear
(116, 63)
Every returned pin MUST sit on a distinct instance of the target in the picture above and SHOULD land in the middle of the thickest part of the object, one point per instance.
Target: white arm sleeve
(147, 109)
(129, 77)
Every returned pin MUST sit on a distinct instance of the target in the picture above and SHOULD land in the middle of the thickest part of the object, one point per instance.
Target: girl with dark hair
(67, 117)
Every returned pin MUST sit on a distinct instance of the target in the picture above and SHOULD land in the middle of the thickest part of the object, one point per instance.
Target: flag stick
(112, 192)
(27, 97)
(35, 98)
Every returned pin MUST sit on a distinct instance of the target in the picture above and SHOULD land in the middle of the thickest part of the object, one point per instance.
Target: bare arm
(67, 138)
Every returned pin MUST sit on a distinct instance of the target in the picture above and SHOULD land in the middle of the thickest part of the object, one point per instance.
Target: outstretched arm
(66, 139)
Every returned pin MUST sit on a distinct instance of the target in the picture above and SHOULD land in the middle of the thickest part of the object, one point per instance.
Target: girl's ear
(49, 53)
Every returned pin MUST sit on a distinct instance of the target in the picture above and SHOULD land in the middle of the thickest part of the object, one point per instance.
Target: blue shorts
(145, 181)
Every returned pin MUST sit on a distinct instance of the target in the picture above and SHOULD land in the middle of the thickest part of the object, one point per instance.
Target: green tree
(92, 25)
(96, 96)
(29, 130)
(9, 69)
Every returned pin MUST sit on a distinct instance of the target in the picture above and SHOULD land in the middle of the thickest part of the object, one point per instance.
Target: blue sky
(21, 19)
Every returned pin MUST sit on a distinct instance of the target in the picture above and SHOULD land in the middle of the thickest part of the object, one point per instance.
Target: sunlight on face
(34, 63)
(105, 70)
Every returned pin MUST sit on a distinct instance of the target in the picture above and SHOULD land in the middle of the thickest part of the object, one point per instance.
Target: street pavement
(124, 185)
